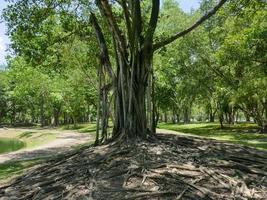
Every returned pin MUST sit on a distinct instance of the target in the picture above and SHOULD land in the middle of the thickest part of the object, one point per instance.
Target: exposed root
(172, 167)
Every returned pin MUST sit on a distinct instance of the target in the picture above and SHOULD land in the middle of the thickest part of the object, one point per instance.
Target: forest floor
(171, 167)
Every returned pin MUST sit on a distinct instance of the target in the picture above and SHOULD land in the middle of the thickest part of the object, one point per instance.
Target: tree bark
(42, 117)
(133, 55)
(186, 115)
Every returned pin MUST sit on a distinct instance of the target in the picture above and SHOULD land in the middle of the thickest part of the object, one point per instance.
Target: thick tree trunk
(130, 119)
(133, 54)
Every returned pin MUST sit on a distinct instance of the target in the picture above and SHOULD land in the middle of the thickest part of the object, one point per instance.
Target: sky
(186, 5)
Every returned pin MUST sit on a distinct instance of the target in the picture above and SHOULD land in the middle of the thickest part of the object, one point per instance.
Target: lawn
(81, 128)
(11, 169)
(243, 133)
(12, 140)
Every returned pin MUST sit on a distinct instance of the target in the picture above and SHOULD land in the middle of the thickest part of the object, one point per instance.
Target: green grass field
(243, 133)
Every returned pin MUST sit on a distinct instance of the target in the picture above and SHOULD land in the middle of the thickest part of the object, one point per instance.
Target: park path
(64, 142)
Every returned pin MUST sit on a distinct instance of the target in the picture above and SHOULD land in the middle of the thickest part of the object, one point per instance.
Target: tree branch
(104, 57)
(136, 18)
(106, 11)
(188, 30)
(127, 19)
(153, 21)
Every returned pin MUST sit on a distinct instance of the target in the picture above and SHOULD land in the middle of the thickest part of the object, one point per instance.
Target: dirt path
(65, 141)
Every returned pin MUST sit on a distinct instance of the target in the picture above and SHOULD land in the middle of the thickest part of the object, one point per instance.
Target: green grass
(24, 140)
(34, 138)
(11, 169)
(37, 140)
(10, 144)
(243, 133)
(81, 128)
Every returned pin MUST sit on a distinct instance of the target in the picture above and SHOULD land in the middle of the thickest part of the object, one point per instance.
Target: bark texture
(132, 79)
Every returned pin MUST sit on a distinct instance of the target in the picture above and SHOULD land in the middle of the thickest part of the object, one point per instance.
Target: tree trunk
(155, 115)
(56, 112)
(130, 107)
(221, 120)
(178, 118)
(186, 115)
(165, 117)
(133, 55)
(212, 117)
(247, 117)
(42, 117)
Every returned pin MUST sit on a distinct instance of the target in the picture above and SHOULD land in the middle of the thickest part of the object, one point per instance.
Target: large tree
(128, 72)
(134, 50)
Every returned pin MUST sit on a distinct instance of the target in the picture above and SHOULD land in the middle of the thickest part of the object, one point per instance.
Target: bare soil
(171, 167)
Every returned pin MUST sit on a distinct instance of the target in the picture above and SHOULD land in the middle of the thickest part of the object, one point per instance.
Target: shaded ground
(242, 133)
(172, 167)
(62, 142)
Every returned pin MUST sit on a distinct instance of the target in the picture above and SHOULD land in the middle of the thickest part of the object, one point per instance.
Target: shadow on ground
(171, 167)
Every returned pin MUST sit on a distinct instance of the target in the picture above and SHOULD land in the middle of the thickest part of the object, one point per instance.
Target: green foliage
(216, 71)
(220, 67)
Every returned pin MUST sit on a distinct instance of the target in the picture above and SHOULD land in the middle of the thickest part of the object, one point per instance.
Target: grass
(10, 144)
(24, 140)
(243, 133)
(12, 169)
(34, 138)
(81, 128)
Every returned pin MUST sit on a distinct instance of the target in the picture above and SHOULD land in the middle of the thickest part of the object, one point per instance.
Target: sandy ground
(65, 141)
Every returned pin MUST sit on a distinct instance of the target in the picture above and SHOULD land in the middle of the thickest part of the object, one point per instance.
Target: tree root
(171, 168)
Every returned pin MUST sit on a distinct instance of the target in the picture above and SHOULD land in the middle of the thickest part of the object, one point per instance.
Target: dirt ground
(65, 140)
(171, 167)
